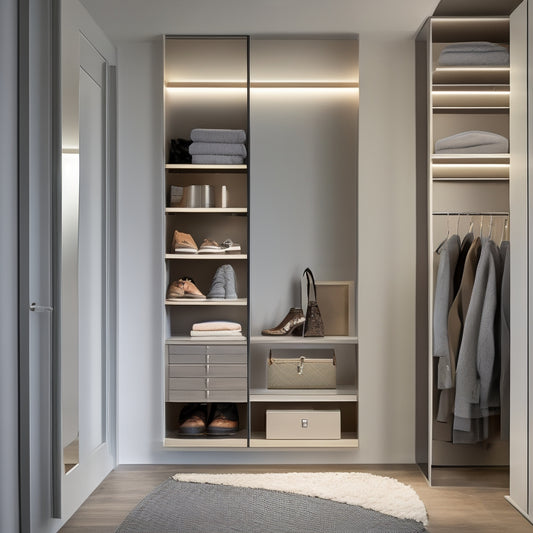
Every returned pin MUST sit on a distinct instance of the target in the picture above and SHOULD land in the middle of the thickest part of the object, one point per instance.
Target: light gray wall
(386, 287)
(9, 517)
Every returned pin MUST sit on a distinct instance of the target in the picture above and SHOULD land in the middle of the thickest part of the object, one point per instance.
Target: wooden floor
(450, 509)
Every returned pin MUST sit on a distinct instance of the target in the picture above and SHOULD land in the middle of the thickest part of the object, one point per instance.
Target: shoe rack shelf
(347, 440)
(189, 167)
(304, 341)
(201, 257)
(207, 302)
(225, 210)
(342, 393)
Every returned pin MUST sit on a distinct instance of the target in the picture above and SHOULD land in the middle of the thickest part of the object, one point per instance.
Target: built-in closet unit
(456, 193)
(290, 205)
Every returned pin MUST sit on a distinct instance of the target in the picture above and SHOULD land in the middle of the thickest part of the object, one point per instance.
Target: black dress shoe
(223, 419)
(192, 419)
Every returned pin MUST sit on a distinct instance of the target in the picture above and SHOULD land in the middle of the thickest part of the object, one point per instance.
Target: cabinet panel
(186, 383)
(227, 370)
(187, 371)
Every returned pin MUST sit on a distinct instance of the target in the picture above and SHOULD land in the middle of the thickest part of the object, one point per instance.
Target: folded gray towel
(473, 142)
(218, 135)
(474, 53)
(201, 148)
(217, 159)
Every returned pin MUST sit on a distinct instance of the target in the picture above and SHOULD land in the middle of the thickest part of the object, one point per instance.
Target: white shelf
(185, 339)
(347, 440)
(188, 167)
(297, 339)
(223, 256)
(238, 441)
(207, 302)
(340, 394)
(474, 75)
(225, 210)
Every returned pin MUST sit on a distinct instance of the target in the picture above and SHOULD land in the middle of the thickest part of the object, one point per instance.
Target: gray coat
(476, 396)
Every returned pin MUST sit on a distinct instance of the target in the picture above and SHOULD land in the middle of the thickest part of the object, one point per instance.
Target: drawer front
(230, 357)
(186, 384)
(226, 349)
(226, 396)
(226, 384)
(187, 371)
(186, 396)
(303, 424)
(183, 349)
(187, 358)
(226, 370)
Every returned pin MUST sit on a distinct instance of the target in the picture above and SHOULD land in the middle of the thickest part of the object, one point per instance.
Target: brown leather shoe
(223, 419)
(190, 290)
(192, 419)
(175, 291)
(292, 323)
(183, 243)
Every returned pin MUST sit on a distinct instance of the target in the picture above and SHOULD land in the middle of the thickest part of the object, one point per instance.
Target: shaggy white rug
(379, 493)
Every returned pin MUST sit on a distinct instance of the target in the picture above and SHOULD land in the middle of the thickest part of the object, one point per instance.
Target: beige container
(303, 424)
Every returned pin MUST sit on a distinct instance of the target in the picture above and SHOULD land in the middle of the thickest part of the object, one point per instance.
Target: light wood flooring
(450, 508)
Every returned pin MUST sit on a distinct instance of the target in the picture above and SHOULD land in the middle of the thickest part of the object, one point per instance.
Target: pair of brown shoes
(223, 419)
(183, 288)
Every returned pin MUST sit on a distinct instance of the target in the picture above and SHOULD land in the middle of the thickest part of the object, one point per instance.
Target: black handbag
(314, 325)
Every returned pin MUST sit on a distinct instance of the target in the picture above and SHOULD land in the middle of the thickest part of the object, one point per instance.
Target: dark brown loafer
(223, 419)
(192, 419)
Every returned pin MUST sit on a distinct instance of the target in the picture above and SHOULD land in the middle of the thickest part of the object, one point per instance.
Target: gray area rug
(177, 507)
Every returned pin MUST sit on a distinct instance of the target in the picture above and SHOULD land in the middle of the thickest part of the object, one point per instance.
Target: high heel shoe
(292, 323)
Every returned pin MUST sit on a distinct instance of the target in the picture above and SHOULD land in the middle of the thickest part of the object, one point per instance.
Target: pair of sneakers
(224, 284)
(183, 243)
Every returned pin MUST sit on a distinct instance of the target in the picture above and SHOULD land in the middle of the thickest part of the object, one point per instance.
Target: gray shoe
(218, 284)
(229, 274)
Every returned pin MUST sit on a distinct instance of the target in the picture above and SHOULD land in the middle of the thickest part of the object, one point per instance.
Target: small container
(198, 196)
(222, 196)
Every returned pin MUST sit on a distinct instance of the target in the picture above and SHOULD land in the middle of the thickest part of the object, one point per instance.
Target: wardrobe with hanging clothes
(463, 87)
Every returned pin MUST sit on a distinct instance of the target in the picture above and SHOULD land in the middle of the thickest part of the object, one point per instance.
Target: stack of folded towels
(473, 142)
(219, 328)
(218, 147)
(476, 53)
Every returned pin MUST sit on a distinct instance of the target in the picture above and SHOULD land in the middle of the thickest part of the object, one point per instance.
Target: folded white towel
(201, 148)
(473, 142)
(214, 325)
(232, 334)
(475, 53)
(218, 135)
(217, 159)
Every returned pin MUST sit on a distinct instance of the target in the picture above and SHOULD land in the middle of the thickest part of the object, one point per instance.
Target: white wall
(386, 258)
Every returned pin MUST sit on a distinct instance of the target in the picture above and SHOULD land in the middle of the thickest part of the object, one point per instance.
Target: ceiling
(124, 20)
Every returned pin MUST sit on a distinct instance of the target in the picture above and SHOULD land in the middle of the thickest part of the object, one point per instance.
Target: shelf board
(186, 339)
(188, 167)
(225, 210)
(235, 441)
(340, 394)
(207, 302)
(296, 339)
(471, 75)
(471, 110)
(296, 84)
(467, 159)
(223, 256)
(347, 440)
(470, 179)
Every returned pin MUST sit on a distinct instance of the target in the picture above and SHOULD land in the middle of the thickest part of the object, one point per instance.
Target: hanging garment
(468, 239)
(456, 319)
(475, 396)
(505, 350)
(449, 253)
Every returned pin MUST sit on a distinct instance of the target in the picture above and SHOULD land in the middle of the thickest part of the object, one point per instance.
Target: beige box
(336, 302)
(303, 424)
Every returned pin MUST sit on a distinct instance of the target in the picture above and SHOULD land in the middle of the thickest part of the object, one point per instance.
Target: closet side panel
(422, 251)
(519, 260)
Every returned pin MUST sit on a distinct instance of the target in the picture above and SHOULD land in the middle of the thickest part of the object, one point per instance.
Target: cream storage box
(303, 424)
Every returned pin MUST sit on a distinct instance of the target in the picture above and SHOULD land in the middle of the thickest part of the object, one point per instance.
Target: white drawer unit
(206, 373)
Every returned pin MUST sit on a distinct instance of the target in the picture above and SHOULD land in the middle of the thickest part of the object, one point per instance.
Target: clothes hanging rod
(472, 213)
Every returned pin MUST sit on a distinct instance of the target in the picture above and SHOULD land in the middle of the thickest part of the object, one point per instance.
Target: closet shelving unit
(208, 83)
(205, 83)
(454, 190)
